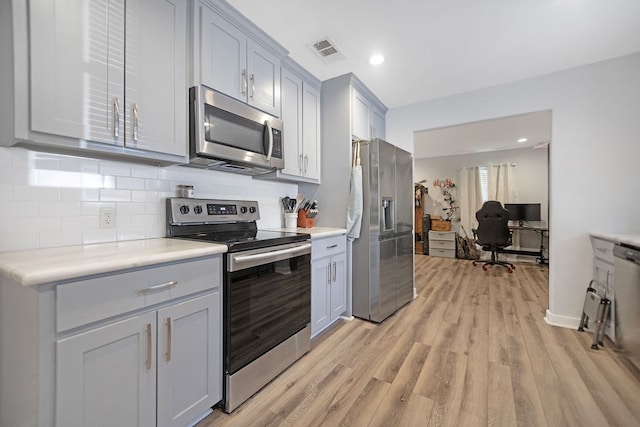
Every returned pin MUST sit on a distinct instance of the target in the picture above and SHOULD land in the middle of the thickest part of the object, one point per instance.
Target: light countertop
(632, 239)
(39, 266)
(316, 232)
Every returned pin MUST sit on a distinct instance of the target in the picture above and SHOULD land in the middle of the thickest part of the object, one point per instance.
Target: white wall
(593, 158)
(49, 200)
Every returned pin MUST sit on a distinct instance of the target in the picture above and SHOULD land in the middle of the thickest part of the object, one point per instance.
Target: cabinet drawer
(328, 246)
(443, 253)
(602, 249)
(85, 301)
(441, 244)
(442, 235)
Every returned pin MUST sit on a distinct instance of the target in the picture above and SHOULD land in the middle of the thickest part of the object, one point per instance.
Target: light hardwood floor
(472, 349)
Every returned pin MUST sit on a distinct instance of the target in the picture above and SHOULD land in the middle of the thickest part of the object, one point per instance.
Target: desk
(538, 253)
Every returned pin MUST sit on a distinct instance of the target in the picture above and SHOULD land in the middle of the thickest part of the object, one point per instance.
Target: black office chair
(493, 233)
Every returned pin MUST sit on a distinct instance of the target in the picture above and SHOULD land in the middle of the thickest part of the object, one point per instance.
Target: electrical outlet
(107, 217)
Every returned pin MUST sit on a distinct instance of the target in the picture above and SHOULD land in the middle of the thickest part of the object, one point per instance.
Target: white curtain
(501, 183)
(470, 197)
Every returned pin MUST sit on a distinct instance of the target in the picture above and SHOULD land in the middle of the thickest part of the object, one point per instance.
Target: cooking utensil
(286, 204)
(299, 200)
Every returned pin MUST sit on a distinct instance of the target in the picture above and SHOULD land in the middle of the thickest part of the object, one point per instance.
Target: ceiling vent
(327, 50)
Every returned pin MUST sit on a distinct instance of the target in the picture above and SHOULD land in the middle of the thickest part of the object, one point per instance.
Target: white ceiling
(435, 48)
(486, 135)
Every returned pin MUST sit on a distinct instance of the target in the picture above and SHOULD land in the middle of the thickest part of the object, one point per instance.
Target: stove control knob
(197, 209)
(243, 209)
(184, 209)
(252, 209)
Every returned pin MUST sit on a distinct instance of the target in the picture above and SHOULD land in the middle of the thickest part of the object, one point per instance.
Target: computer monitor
(522, 212)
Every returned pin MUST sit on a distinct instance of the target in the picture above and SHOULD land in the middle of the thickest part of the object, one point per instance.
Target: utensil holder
(305, 222)
(290, 220)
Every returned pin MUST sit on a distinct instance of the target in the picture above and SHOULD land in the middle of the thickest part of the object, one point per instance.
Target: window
(484, 185)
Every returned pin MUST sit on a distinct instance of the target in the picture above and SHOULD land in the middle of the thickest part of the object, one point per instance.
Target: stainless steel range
(266, 290)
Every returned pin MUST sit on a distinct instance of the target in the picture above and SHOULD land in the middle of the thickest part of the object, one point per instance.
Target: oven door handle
(272, 254)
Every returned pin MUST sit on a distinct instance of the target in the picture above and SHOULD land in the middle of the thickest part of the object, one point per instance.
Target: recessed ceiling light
(376, 59)
(521, 140)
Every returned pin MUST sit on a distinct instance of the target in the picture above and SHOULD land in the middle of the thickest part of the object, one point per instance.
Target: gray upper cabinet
(301, 115)
(104, 77)
(234, 57)
(367, 116)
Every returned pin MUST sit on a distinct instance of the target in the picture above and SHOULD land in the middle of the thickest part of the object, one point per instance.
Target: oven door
(267, 300)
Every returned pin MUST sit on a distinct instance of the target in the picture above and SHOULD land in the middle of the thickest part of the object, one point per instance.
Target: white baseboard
(562, 321)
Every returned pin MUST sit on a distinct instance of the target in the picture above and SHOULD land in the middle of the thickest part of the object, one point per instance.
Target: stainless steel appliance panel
(229, 135)
(387, 186)
(627, 301)
(404, 271)
(386, 303)
(404, 192)
(379, 285)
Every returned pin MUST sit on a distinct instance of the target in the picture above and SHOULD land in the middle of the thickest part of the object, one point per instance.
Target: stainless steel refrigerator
(383, 254)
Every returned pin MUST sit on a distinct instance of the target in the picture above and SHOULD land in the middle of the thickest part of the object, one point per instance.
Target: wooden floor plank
(472, 349)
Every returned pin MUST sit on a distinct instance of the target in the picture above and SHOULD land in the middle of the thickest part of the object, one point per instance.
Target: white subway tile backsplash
(158, 185)
(35, 193)
(115, 168)
(111, 195)
(79, 223)
(99, 236)
(130, 208)
(53, 200)
(78, 164)
(131, 234)
(59, 208)
(64, 179)
(60, 238)
(143, 171)
(25, 224)
(128, 183)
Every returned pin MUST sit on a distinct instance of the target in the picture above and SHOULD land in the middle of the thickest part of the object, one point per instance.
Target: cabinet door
(311, 132)
(292, 117)
(77, 69)
(264, 78)
(378, 125)
(320, 297)
(223, 55)
(338, 285)
(107, 376)
(360, 109)
(156, 78)
(189, 359)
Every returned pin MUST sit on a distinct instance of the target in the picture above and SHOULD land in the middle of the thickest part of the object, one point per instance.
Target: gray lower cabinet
(328, 281)
(141, 347)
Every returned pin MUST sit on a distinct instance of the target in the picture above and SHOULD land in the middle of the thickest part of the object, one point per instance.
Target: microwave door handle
(270, 137)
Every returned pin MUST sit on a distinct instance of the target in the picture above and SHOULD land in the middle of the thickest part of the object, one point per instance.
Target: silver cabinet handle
(168, 353)
(335, 268)
(243, 82)
(270, 136)
(116, 117)
(253, 86)
(149, 346)
(332, 246)
(160, 286)
(300, 162)
(134, 117)
(306, 163)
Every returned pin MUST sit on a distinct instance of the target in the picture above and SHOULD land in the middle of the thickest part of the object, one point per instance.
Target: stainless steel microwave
(227, 134)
